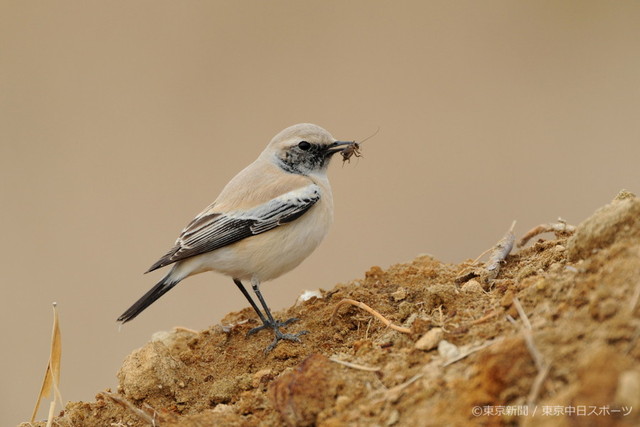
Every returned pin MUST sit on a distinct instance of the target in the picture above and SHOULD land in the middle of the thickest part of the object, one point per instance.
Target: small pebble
(447, 350)
(307, 295)
(430, 340)
(399, 295)
(472, 286)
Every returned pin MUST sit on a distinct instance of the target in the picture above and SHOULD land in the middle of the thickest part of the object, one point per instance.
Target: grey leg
(248, 297)
(271, 323)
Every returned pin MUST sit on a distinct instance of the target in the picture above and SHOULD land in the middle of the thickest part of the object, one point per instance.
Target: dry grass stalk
(542, 367)
(470, 351)
(528, 336)
(394, 393)
(490, 315)
(52, 373)
(129, 406)
(560, 227)
(475, 261)
(499, 253)
(537, 385)
(355, 365)
(371, 311)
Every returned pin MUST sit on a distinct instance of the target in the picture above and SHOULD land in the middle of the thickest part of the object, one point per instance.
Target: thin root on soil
(371, 311)
(354, 365)
(561, 227)
(129, 406)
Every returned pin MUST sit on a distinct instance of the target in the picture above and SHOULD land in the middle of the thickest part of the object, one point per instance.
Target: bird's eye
(304, 145)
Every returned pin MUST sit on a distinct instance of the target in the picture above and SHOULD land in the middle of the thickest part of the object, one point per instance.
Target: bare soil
(572, 359)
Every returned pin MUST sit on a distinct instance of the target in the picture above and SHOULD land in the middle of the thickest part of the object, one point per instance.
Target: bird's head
(304, 149)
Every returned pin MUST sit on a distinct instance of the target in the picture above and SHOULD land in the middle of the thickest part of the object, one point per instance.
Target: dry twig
(528, 335)
(128, 405)
(498, 253)
(542, 367)
(560, 227)
(537, 384)
(493, 313)
(475, 261)
(355, 365)
(394, 393)
(371, 311)
(469, 352)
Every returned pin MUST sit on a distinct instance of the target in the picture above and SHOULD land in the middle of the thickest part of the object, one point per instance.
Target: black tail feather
(147, 299)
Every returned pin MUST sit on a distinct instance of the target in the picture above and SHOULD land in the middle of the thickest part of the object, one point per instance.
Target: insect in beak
(353, 149)
(336, 147)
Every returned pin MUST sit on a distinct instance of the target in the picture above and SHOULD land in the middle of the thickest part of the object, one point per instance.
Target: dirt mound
(553, 340)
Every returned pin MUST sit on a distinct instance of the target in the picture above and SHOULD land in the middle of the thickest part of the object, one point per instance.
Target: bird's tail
(161, 288)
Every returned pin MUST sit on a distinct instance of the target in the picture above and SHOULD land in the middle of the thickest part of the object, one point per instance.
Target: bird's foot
(269, 325)
(278, 334)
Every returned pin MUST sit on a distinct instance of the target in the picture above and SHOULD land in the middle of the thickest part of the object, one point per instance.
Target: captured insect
(353, 149)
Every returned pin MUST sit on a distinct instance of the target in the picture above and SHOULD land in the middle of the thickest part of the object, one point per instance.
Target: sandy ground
(468, 357)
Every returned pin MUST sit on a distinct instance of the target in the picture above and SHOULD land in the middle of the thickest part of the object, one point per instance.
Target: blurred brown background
(120, 120)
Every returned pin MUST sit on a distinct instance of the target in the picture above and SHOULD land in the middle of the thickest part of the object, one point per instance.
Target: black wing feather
(213, 231)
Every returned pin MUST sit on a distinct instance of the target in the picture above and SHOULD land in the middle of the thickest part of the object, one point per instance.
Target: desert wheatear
(266, 221)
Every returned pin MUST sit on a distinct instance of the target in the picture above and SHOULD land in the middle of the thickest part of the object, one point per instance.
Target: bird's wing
(213, 230)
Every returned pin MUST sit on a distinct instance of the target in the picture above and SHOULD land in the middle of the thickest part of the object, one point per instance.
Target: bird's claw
(269, 325)
(280, 336)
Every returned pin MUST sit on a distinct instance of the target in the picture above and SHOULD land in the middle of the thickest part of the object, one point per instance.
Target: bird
(270, 217)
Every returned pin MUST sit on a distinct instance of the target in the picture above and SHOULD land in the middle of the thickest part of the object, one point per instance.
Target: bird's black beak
(337, 147)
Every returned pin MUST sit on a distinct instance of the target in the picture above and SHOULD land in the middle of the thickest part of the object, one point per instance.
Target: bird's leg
(253, 304)
(266, 323)
(271, 323)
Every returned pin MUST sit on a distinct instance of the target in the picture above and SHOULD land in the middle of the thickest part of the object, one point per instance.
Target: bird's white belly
(267, 255)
